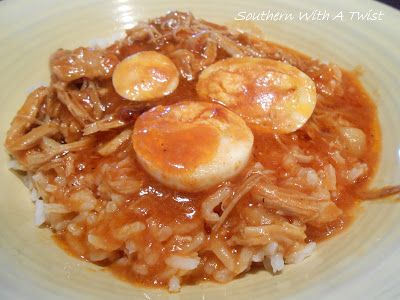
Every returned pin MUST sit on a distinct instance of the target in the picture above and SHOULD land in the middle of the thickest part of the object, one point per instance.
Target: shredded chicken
(82, 62)
(386, 191)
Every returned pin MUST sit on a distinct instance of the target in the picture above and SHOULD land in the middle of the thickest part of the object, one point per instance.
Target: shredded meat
(69, 65)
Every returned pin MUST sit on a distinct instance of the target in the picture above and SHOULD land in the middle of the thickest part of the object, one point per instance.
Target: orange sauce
(174, 208)
(175, 150)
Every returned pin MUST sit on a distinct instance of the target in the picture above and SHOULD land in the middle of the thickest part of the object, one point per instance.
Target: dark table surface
(393, 3)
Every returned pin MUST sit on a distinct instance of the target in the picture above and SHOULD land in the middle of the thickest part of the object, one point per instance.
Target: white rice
(50, 188)
(39, 213)
(182, 263)
(60, 180)
(258, 256)
(61, 225)
(123, 261)
(74, 229)
(97, 242)
(141, 269)
(105, 42)
(277, 262)
(174, 284)
(223, 276)
(57, 208)
(27, 181)
(312, 177)
(356, 172)
(34, 195)
(13, 164)
(111, 207)
(130, 229)
(98, 255)
(130, 246)
(299, 256)
(271, 248)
